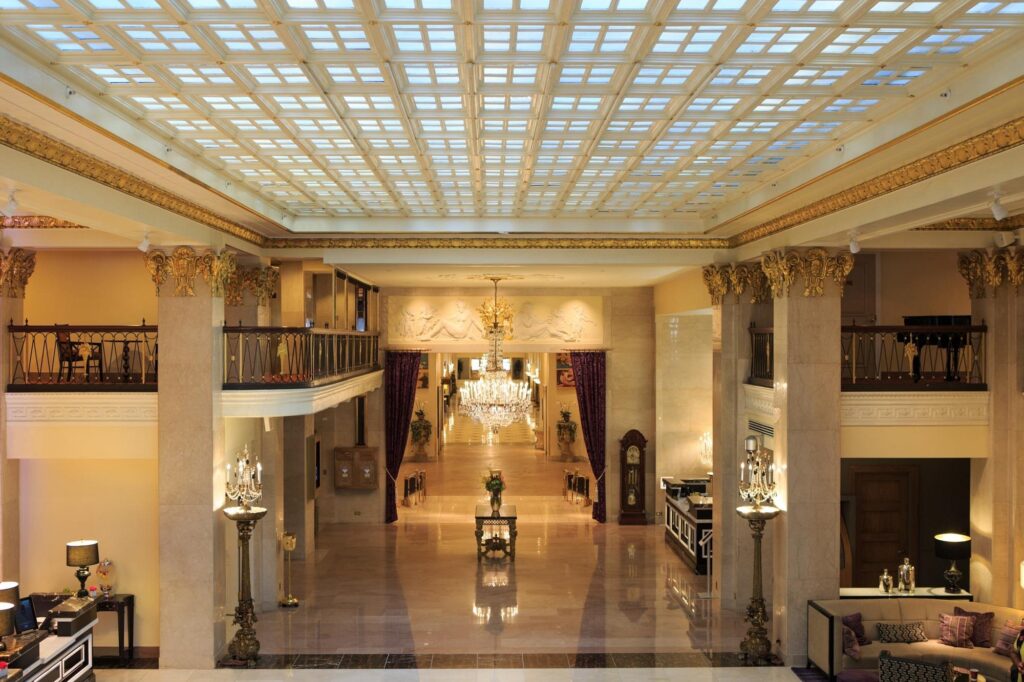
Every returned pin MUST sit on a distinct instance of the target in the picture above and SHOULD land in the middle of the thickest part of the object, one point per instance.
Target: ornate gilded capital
(16, 267)
(984, 270)
(717, 281)
(183, 265)
(736, 278)
(233, 289)
(156, 265)
(261, 282)
(217, 269)
(814, 266)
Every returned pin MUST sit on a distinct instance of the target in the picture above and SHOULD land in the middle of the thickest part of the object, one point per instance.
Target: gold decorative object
(37, 222)
(1013, 263)
(717, 283)
(233, 289)
(970, 268)
(288, 543)
(184, 265)
(500, 310)
(815, 266)
(974, 225)
(261, 282)
(736, 279)
(156, 264)
(217, 268)
(16, 266)
(984, 270)
(756, 648)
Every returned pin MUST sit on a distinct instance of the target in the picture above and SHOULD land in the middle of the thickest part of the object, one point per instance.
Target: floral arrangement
(494, 482)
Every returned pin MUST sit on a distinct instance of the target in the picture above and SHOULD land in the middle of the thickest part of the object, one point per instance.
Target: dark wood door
(886, 520)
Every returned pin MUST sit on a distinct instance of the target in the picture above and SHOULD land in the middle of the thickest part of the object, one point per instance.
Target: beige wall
(112, 501)
(920, 283)
(682, 293)
(90, 287)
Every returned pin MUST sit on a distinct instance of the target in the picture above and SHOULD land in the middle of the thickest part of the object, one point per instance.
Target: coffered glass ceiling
(638, 108)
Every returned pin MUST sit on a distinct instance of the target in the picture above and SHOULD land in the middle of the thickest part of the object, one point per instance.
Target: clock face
(633, 455)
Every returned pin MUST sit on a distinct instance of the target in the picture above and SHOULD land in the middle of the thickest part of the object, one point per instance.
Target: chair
(893, 669)
(70, 354)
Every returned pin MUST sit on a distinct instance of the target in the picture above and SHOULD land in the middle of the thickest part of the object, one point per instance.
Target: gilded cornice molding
(500, 243)
(993, 141)
(988, 270)
(736, 279)
(814, 266)
(16, 266)
(183, 265)
(38, 222)
(974, 225)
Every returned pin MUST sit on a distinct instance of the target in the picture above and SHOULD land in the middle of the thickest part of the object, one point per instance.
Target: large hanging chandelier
(495, 399)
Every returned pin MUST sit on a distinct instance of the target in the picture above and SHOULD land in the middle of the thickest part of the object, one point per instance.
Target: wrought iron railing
(936, 358)
(282, 357)
(82, 357)
(762, 356)
(893, 358)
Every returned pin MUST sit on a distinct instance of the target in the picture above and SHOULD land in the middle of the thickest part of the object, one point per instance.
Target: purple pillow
(982, 625)
(1007, 638)
(853, 621)
(957, 630)
(851, 647)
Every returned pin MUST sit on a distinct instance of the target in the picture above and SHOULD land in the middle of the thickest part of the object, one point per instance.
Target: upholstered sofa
(825, 637)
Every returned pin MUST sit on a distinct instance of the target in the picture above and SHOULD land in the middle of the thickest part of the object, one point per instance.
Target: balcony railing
(82, 358)
(287, 357)
(893, 358)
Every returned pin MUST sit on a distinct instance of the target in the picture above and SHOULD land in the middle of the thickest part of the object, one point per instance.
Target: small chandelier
(757, 474)
(495, 399)
(244, 483)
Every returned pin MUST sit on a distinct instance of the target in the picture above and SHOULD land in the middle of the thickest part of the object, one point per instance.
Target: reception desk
(688, 522)
(62, 659)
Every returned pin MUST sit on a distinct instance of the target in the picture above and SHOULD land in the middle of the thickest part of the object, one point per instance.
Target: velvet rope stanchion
(401, 369)
(589, 369)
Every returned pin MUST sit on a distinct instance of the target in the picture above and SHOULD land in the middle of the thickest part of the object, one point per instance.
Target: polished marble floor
(576, 586)
(502, 675)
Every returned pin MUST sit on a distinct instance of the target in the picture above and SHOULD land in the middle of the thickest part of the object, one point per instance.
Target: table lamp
(9, 592)
(952, 546)
(7, 611)
(83, 554)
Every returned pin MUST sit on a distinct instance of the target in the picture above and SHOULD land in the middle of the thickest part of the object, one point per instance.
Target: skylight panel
(512, 38)
(562, 126)
(190, 126)
(27, 4)
(121, 75)
(369, 102)
(199, 75)
(507, 102)
(774, 39)
(624, 126)
(424, 37)
(109, 5)
(688, 39)
(760, 128)
(662, 75)
(509, 74)
(713, 5)
(847, 105)
(691, 128)
(161, 104)
(320, 4)
(276, 74)
(316, 126)
(418, 4)
(435, 102)
(71, 38)
(431, 74)
(221, 4)
(895, 77)
(738, 76)
(817, 129)
(997, 8)
(379, 125)
(909, 7)
(644, 104)
(950, 41)
(248, 37)
(600, 38)
(816, 77)
(714, 104)
(781, 105)
(336, 37)
(435, 125)
(299, 103)
(230, 103)
(586, 75)
(613, 5)
(862, 41)
(807, 5)
(498, 125)
(247, 125)
(563, 103)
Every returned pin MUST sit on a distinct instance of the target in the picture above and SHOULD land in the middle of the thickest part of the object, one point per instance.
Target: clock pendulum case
(632, 492)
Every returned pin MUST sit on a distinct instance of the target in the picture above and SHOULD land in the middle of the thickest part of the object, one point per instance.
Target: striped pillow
(1007, 638)
(905, 633)
(957, 630)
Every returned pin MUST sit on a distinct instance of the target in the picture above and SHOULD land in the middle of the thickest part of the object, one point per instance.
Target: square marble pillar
(11, 308)
(191, 479)
(298, 485)
(270, 571)
(732, 575)
(805, 537)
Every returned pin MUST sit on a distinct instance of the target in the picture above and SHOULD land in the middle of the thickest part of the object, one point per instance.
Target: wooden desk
(919, 593)
(496, 542)
(124, 605)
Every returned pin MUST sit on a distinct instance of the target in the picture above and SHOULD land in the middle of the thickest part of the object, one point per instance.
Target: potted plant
(494, 483)
(422, 429)
(566, 430)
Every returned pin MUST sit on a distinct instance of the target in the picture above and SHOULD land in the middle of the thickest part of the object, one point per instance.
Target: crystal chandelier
(495, 399)
(757, 474)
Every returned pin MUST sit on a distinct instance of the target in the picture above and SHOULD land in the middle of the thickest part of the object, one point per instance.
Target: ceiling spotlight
(999, 211)
(854, 243)
(11, 207)
(144, 244)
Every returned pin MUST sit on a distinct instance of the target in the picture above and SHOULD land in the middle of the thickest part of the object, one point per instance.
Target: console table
(124, 605)
(688, 522)
(919, 593)
(501, 529)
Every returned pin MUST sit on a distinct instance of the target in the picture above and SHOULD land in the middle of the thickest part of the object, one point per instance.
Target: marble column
(298, 485)
(191, 455)
(997, 508)
(19, 264)
(807, 286)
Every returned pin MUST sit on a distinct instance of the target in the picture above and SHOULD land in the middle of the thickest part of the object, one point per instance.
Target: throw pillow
(1007, 636)
(891, 633)
(851, 647)
(982, 625)
(957, 630)
(902, 669)
(854, 622)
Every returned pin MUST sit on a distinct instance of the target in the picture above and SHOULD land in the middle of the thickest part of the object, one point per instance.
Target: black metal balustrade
(82, 358)
(284, 357)
(762, 357)
(893, 358)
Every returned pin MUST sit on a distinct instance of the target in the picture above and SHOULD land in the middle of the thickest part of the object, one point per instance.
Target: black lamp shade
(952, 546)
(7, 611)
(83, 553)
(9, 592)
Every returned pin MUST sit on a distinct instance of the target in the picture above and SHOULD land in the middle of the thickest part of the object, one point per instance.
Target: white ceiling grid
(519, 108)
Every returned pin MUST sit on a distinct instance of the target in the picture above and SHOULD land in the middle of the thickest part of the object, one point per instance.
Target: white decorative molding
(81, 407)
(290, 402)
(948, 408)
(759, 402)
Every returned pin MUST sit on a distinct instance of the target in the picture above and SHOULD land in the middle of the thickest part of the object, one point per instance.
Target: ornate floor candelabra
(757, 485)
(246, 488)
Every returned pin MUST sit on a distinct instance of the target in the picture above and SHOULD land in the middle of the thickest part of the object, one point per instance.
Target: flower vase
(495, 503)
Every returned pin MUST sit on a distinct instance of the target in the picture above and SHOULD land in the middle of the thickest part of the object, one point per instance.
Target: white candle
(259, 472)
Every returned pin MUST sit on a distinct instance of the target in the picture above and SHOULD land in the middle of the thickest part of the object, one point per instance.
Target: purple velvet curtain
(589, 369)
(401, 368)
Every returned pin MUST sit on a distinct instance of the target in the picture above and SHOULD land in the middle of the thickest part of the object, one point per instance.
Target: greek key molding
(814, 266)
(951, 408)
(736, 279)
(16, 266)
(183, 265)
(38, 222)
(81, 407)
(986, 271)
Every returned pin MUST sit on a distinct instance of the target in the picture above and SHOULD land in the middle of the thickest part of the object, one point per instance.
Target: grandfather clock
(632, 456)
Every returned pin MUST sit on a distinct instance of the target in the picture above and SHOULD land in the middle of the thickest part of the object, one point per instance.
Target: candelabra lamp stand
(756, 648)
(289, 542)
(244, 648)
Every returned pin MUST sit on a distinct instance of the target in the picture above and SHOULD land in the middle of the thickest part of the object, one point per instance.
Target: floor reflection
(497, 601)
